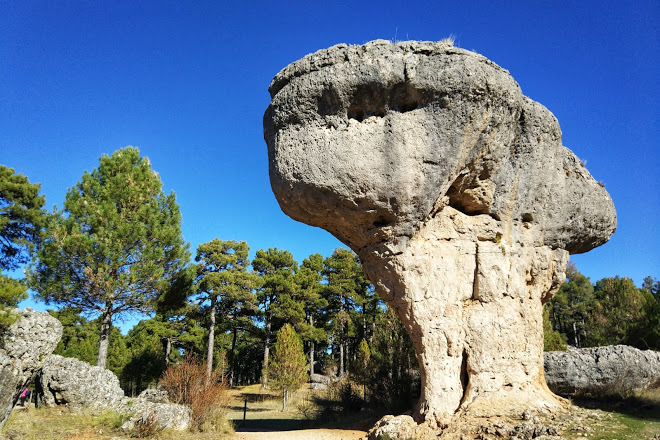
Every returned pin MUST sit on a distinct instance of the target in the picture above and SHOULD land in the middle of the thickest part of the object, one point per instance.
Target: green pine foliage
(224, 281)
(276, 269)
(11, 293)
(612, 311)
(395, 375)
(21, 220)
(288, 366)
(344, 290)
(552, 339)
(115, 246)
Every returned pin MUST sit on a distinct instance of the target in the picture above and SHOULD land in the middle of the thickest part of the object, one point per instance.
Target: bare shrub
(146, 426)
(187, 383)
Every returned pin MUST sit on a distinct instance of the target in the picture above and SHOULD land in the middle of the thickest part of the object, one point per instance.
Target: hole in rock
(463, 198)
(404, 98)
(527, 217)
(367, 100)
(465, 376)
(382, 222)
(329, 103)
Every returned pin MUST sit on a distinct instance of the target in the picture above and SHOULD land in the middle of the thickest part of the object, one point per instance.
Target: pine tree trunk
(104, 341)
(231, 360)
(209, 352)
(341, 337)
(341, 358)
(311, 350)
(264, 371)
(168, 350)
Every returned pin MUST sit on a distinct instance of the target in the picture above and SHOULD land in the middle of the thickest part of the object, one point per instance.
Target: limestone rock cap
(369, 142)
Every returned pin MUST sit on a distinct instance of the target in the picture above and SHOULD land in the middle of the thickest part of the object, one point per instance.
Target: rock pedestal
(473, 307)
(455, 191)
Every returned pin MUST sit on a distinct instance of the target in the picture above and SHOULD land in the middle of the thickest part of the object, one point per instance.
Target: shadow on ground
(267, 425)
(638, 408)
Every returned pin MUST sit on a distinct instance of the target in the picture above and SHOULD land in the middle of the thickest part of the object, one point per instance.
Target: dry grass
(264, 409)
(62, 424)
(450, 40)
(634, 418)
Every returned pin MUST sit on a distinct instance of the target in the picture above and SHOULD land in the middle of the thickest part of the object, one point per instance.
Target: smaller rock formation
(598, 370)
(24, 345)
(69, 381)
(395, 428)
(153, 404)
(321, 381)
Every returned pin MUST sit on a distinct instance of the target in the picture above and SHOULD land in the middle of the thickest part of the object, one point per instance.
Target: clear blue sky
(186, 82)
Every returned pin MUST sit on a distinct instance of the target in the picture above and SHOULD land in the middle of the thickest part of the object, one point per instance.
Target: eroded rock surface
(25, 344)
(602, 370)
(458, 196)
(69, 381)
(153, 406)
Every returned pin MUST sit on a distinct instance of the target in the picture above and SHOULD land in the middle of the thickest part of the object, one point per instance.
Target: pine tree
(288, 364)
(115, 247)
(308, 279)
(225, 282)
(571, 307)
(21, 220)
(363, 366)
(276, 269)
(345, 281)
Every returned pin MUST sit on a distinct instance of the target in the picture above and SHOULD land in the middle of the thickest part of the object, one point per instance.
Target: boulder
(393, 427)
(458, 196)
(154, 395)
(69, 381)
(321, 379)
(24, 346)
(153, 406)
(615, 369)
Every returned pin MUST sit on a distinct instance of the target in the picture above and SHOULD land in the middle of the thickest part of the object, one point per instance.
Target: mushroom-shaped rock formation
(455, 191)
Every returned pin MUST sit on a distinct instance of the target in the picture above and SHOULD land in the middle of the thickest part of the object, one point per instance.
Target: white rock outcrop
(455, 191)
(153, 406)
(602, 370)
(71, 382)
(25, 345)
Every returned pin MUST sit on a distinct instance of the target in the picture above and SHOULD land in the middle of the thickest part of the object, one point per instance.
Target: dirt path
(303, 434)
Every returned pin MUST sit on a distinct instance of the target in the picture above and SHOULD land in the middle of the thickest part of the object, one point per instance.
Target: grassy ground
(634, 418)
(263, 411)
(62, 424)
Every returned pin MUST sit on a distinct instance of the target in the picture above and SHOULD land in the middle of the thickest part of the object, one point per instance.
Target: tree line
(611, 311)
(116, 248)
